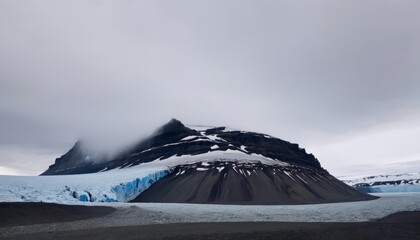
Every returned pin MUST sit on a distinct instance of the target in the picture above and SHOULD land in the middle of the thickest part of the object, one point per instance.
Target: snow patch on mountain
(215, 156)
(202, 128)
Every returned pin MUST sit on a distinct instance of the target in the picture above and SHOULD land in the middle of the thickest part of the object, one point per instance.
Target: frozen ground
(129, 214)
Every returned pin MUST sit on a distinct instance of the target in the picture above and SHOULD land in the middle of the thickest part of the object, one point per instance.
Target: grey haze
(341, 78)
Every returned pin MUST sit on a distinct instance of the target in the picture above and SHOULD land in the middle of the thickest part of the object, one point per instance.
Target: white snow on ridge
(214, 147)
(228, 155)
(118, 185)
(384, 178)
(188, 138)
(201, 128)
(202, 169)
(214, 137)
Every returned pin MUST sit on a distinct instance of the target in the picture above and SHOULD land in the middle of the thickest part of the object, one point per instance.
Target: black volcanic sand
(402, 225)
(24, 213)
(249, 184)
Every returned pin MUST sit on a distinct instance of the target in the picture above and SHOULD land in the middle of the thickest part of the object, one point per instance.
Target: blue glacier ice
(127, 191)
(84, 198)
(389, 188)
(108, 199)
(119, 185)
(123, 192)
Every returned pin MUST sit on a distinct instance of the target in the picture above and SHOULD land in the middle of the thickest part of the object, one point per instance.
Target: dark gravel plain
(402, 225)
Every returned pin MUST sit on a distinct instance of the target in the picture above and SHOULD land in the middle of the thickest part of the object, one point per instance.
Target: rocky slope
(243, 183)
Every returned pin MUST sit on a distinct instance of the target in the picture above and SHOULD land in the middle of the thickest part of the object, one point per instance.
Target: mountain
(217, 165)
(175, 139)
(396, 177)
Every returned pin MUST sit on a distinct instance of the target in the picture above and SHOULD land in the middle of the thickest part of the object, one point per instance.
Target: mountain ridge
(77, 161)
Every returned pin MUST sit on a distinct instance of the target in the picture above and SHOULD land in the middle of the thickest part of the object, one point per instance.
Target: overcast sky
(341, 78)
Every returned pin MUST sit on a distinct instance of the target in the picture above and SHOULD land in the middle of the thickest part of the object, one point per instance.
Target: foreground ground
(403, 225)
(354, 220)
(25, 213)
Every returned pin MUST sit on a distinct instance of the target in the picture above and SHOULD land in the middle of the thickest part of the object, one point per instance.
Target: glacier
(128, 191)
(118, 185)
(389, 188)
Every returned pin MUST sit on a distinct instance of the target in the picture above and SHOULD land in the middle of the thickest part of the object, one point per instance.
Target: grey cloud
(117, 70)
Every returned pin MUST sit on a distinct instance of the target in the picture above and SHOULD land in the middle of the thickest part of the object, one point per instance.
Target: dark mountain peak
(174, 121)
(172, 125)
(78, 144)
(77, 148)
(170, 132)
(75, 157)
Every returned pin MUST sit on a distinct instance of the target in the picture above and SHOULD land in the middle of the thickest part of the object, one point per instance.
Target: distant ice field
(388, 203)
(129, 214)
